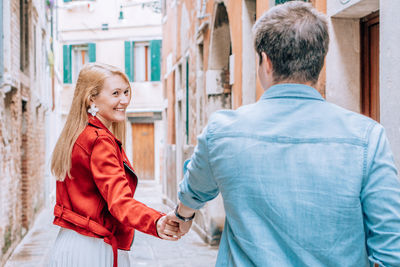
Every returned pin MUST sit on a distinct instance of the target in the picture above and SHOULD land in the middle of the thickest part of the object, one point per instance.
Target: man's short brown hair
(295, 38)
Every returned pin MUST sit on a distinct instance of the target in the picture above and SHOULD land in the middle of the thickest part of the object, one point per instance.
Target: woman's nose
(125, 99)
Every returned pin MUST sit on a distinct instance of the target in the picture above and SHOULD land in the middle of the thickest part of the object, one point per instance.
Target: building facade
(209, 63)
(362, 66)
(26, 102)
(126, 34)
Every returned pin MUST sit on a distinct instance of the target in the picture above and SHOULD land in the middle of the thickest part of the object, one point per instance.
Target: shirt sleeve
(198, 185)
(380, 198)
(110, 178)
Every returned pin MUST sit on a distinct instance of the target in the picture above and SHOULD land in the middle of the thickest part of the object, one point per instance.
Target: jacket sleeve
(110, 178)
(380, 198)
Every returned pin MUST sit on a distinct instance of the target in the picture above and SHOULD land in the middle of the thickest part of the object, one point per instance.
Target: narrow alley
(177, 62)
(146, 250)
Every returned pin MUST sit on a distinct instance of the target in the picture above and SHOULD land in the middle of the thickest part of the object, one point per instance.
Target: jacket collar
(292, 90)
(95, 122)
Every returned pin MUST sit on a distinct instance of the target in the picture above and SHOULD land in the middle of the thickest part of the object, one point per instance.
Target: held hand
(184, 227)
(167, 229)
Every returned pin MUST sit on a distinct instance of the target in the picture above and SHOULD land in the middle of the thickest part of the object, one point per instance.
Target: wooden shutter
(67, 63)
(129, 56)
(155, 50)
(92, 52)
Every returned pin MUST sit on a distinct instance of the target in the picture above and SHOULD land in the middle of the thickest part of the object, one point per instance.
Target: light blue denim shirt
(304, 183)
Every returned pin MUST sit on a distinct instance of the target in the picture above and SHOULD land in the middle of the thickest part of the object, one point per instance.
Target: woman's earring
(93, 109)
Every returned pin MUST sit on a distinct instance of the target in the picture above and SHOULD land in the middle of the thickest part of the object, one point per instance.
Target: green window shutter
(67, 1)
(67, 63)
(155, 50)
(129, 59)
(133, 61)
(92, 52)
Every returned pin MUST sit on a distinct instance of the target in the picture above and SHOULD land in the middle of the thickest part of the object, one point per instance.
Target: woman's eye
(126, 92)
(115, 93)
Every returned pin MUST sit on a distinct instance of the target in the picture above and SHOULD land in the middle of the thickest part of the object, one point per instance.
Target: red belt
(90, 225)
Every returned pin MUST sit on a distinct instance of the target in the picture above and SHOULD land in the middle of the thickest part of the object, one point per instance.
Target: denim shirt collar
(292, 90)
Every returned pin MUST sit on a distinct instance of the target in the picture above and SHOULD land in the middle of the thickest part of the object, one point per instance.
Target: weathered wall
(343, 69)
(23, 96)
(389, 73)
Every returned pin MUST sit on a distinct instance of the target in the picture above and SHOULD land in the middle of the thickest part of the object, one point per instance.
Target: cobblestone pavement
(146, 250)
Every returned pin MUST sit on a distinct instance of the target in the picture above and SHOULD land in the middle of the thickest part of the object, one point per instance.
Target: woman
(95, 181)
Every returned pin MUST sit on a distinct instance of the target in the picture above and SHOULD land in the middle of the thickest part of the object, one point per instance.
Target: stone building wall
(22, 124)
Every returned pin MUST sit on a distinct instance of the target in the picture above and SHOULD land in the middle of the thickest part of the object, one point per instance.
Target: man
(304, 182)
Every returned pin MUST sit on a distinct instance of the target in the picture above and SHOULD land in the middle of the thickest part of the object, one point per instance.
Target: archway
(218, 86)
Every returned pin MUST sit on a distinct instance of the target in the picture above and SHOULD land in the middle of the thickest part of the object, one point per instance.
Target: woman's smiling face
(113, 100)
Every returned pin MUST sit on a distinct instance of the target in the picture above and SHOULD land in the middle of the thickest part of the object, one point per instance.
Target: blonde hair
(90, 83)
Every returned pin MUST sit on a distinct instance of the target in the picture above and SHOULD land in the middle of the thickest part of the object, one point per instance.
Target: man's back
(304, 182)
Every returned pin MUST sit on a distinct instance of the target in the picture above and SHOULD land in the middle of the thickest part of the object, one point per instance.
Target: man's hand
(185, 212)
(183, 227)
(168, 229)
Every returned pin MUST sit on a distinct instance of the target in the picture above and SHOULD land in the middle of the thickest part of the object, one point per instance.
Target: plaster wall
(248, 54)
(84, 14)
(159, 141)
(389, 73)
(343, 64)
(118, 33)
(351, 8)
(111, 51)
(146, 95)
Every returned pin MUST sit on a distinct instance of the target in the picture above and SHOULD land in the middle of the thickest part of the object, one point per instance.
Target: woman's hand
(168, 229)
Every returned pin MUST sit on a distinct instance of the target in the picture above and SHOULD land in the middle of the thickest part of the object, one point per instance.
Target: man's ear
(267, 62)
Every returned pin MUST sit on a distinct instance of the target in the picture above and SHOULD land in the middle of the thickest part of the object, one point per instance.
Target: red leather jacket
(98, 200)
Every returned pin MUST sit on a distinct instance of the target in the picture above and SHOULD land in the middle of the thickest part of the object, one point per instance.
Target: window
(24, 35)
(80, 56)
(75, 56)
(142, 61)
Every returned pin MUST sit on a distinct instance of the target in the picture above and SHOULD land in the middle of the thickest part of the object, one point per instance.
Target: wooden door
(143, 150)
(370, 66)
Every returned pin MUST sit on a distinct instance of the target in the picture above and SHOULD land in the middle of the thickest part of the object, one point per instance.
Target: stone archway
(218, 86)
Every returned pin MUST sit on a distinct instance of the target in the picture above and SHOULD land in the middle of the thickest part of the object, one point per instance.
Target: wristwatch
(180, 217)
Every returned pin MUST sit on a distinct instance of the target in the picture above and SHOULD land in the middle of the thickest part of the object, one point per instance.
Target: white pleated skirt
(72, 249)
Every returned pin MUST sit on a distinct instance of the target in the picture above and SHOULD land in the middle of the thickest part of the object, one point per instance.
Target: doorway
(143, 150)
(370, 66)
